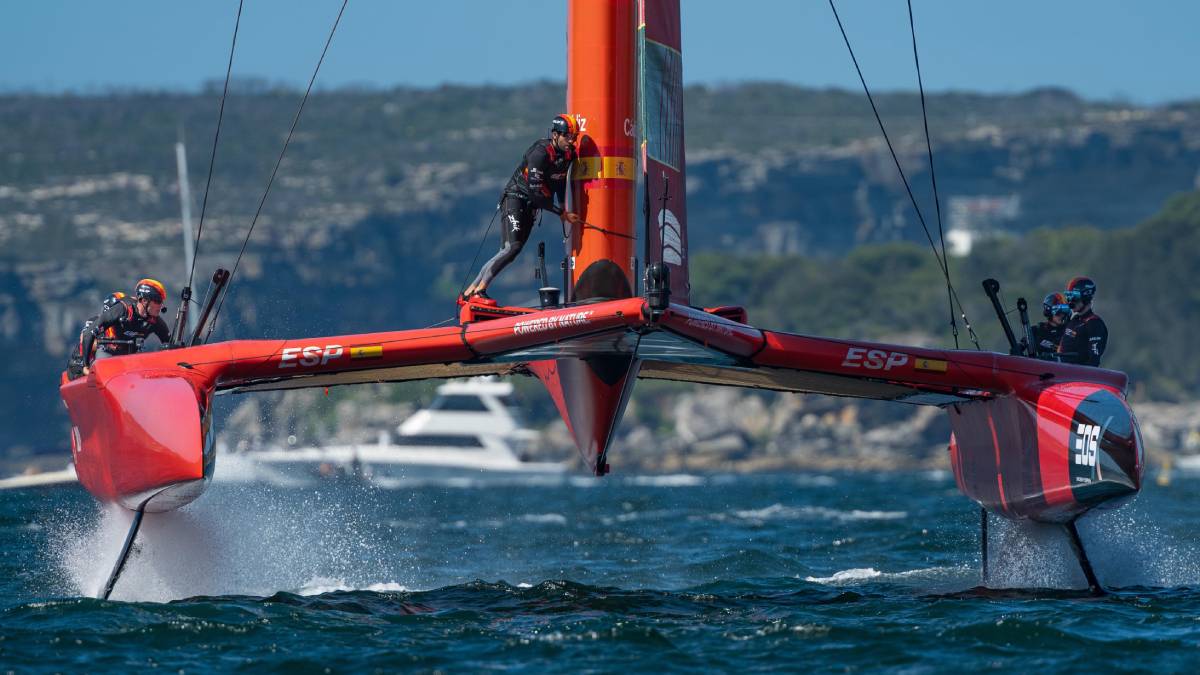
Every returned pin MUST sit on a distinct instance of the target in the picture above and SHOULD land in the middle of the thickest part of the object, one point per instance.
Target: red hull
(1050, 454)
(141, 437)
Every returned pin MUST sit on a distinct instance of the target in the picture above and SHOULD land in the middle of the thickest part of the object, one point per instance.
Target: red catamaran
(1031, 439)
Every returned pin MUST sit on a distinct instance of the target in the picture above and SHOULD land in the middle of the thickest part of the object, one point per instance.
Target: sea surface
(813, 572)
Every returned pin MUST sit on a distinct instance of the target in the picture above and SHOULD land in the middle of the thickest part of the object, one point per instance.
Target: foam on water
(322, 585)
(781, 512)
(547, 518)
(669, 480)
(859, 575)
(847, 576)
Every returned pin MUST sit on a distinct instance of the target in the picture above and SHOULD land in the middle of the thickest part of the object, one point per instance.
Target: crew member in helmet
(122, 326)
(1048, 334)
(76, 360)
(1085, 336)
(538, 180)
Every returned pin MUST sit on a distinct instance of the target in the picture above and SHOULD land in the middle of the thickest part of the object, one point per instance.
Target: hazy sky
(1146, 51)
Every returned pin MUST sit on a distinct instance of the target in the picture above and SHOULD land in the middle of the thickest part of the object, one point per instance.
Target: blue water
(802, 571)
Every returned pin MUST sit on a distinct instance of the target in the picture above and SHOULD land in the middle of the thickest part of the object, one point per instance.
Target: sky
(1143, 52)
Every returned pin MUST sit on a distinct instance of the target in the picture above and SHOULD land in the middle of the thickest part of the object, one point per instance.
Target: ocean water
(821, 572)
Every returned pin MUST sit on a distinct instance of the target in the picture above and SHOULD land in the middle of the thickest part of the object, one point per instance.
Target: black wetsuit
(539, 179)
(1084, 338)
(1046, 337)
(117, 330)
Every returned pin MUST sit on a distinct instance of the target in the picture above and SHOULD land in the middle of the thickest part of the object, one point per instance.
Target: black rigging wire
(212, 160)
(904, 178)
(937, 202)
(295, 121)
(463, 286)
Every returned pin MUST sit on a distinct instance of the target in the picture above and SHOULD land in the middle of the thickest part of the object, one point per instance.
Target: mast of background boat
(189, 251)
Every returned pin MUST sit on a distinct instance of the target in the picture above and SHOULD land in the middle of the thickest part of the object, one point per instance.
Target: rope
(937, 202)
(295, 121)
(463, 286)
(904, 178)
(614, 233)
(212, 160)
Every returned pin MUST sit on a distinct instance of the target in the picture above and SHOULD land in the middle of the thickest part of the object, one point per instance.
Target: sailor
(538, 180)
(122, 326)
(1085, 336)
(1047, 334)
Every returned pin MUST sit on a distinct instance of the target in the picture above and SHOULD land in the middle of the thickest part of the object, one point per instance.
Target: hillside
(384, 195)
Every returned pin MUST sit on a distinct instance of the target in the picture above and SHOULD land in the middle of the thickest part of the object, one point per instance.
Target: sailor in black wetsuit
(1085, 336)
(537, 181)
(1048, 334)
(121, 327)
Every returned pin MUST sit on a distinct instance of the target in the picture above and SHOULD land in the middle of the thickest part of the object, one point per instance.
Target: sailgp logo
(669, 230)
(1087, 442)
(545, 323)
(710, 326)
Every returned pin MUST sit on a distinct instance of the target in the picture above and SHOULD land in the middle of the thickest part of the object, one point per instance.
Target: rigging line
(212, 160)
(463, 286)
(937, 202)
(295, 121)
(904, 178)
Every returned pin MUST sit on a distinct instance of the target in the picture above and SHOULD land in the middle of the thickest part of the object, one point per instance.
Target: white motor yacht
(471, 430)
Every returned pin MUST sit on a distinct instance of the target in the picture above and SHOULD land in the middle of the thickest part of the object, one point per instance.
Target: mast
(602, 90)
(185, 207)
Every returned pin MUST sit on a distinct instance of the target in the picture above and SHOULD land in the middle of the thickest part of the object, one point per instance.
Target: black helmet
(1082, 289)
(113, 298)
(565, 124)
(1055, 303)
(149, 289)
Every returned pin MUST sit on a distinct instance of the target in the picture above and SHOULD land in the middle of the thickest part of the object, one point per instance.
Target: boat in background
(471, 430)
(40, 479)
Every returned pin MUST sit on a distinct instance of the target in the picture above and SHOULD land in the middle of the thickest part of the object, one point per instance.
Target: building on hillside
(978, 218)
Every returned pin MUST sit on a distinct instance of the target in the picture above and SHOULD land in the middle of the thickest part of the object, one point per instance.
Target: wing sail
(660, 55)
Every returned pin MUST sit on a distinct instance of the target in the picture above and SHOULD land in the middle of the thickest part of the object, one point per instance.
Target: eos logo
(873, 359)
(1086, 444)
(308, 356)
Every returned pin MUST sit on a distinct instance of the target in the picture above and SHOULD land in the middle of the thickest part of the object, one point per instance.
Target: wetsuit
(1046, 337)
(1084, 338)
(537, 181)
(117, 330)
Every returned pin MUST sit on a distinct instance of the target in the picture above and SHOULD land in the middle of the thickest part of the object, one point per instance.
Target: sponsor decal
(930, 365)
(873, 359)
(709, 327)
(309, 356)
(553, 322)
(371, 352)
